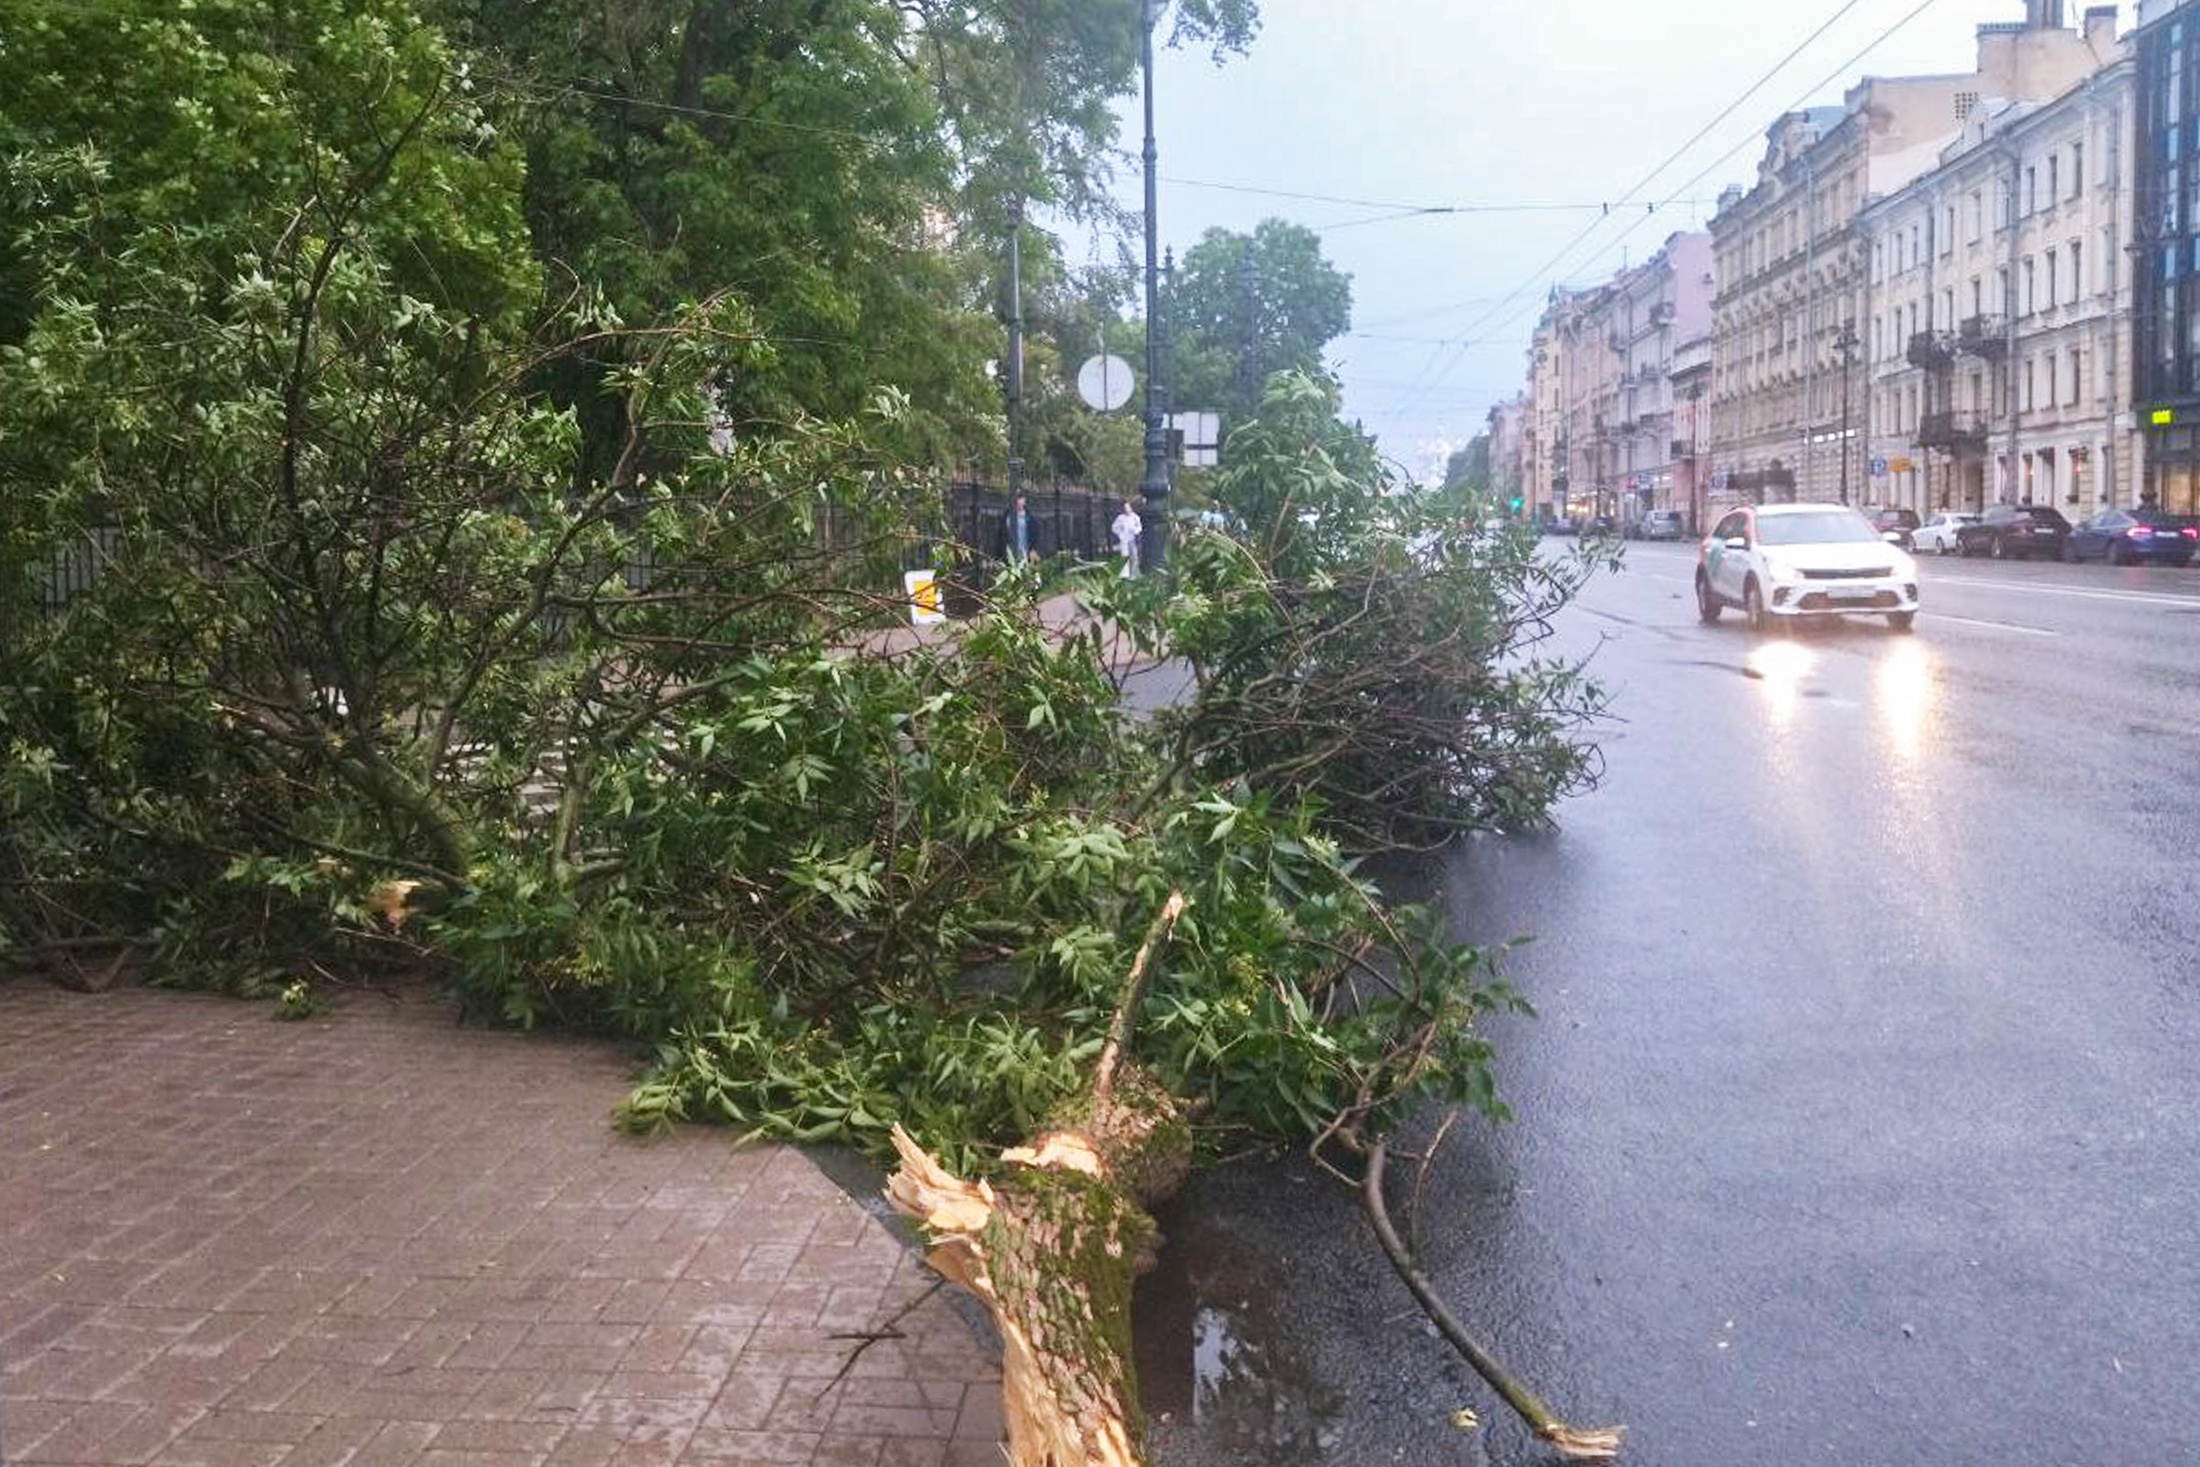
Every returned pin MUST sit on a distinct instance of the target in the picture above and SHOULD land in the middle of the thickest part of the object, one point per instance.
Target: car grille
(1865, 573)
(1820, 601)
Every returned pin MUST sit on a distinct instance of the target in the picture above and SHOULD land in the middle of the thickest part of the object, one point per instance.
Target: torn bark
(1052, 1251)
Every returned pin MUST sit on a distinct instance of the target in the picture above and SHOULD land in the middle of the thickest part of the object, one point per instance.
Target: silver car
(1938, 534)
(1781, 563)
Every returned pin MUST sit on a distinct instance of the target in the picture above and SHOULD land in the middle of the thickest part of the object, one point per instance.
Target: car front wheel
(1708, 604)
(1753, 607)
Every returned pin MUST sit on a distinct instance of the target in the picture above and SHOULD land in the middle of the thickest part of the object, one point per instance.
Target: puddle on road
(1221, 1380)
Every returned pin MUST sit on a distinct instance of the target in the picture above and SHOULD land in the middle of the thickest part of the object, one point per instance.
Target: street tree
(435, 628)
(1244, 307)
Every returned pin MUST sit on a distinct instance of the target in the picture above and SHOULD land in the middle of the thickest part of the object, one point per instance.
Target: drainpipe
(2009, 321)
(2119, 279)
(1864, 240)
(1806, 482)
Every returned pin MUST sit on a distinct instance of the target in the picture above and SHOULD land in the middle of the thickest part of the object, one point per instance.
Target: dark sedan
(2015, 531)
(2132, 536)
(1901, 523)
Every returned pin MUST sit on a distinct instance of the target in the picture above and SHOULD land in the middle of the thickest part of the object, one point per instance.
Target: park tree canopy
(1244, 307)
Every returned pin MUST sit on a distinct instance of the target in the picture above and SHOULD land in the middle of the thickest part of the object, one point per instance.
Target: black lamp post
(1154, 489)
(1845, 344)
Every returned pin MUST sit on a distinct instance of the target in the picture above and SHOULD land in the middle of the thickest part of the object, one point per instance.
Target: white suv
(1782, 562)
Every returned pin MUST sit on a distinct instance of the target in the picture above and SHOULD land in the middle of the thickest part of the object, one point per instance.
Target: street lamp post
(1845, 344)
(1154, 488)
(1015, 349)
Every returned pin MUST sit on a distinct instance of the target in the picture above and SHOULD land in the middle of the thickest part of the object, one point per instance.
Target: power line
(1402, 209)
(1835, 75)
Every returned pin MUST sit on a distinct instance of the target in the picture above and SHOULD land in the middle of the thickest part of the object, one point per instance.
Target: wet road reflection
(1857, 1122)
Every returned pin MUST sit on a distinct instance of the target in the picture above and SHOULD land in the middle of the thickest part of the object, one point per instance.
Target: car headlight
(1780, 570)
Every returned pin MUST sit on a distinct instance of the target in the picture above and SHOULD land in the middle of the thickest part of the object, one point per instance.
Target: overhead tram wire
(1800, 102)
(1403, 209)
(1715, 164)
(1630, 197)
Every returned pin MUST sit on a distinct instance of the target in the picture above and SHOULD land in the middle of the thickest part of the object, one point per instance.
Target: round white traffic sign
(1105, 382)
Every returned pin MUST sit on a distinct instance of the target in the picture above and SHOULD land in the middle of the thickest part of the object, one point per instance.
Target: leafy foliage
(1369, 650)
(435, 624)
(1245, 307)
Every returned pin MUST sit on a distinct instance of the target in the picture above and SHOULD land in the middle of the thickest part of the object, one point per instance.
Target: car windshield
(1816, 527)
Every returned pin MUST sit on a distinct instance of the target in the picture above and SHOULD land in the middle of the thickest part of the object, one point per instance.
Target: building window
(2053, 274)
(1978, 216)
(2028, 379)
(1948, 309)
(2077, 271)
(2077, 376)
(2077, 169)
(2054, 178)
(1978, 296)
(2031, 190)
(2030, 281)
(1948, 236)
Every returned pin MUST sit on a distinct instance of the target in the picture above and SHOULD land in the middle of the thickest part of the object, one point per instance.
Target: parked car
(1901, 523)
(1784, 562)
(1938, 534)
(1559, 524)
(1664, 524)
(1599, 524)
(2015, 531)
(2129, 536)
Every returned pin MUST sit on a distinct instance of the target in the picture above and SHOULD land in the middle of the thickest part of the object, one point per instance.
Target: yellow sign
(2163, 417)
(923, 589)
(1898, 466)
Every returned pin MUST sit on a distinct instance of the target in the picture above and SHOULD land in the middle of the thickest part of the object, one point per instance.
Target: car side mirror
(1737, 542)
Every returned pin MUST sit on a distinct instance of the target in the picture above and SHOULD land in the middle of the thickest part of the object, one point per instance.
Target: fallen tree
(382, 667)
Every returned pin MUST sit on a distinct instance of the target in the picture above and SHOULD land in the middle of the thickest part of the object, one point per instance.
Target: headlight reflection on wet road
(1905, 693)
(1779, 667)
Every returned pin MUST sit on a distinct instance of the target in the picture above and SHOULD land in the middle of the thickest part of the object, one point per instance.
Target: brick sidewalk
(374, 1238)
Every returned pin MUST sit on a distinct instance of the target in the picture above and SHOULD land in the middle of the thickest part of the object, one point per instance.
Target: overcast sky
(1497, 102)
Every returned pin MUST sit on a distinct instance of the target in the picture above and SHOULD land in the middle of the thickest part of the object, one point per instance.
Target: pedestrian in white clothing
(1126, 528)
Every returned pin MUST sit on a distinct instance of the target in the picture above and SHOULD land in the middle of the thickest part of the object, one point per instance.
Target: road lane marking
(1999, 626)
(2144, 598)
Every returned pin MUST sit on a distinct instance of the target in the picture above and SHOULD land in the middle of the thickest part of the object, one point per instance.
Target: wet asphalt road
(1861, 1123)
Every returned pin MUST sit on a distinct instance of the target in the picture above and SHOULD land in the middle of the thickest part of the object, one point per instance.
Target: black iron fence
(1067, 520)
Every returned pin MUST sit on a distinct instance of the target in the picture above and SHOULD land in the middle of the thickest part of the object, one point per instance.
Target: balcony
(1956, 431)
(1935, 351)
(1982, 336)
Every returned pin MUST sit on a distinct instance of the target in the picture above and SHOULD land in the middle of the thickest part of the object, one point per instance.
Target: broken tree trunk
(1052, 1250)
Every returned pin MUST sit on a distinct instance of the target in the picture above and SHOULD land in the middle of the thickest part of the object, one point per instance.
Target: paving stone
(378, 1239)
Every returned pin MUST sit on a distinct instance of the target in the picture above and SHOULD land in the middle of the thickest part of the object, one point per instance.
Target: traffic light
(1515, 502)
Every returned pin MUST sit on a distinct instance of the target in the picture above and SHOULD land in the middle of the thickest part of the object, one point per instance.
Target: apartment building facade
(1791, 263)
(1507, 429)
(1997, 303)
(1599, 421)
(2166, 252)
